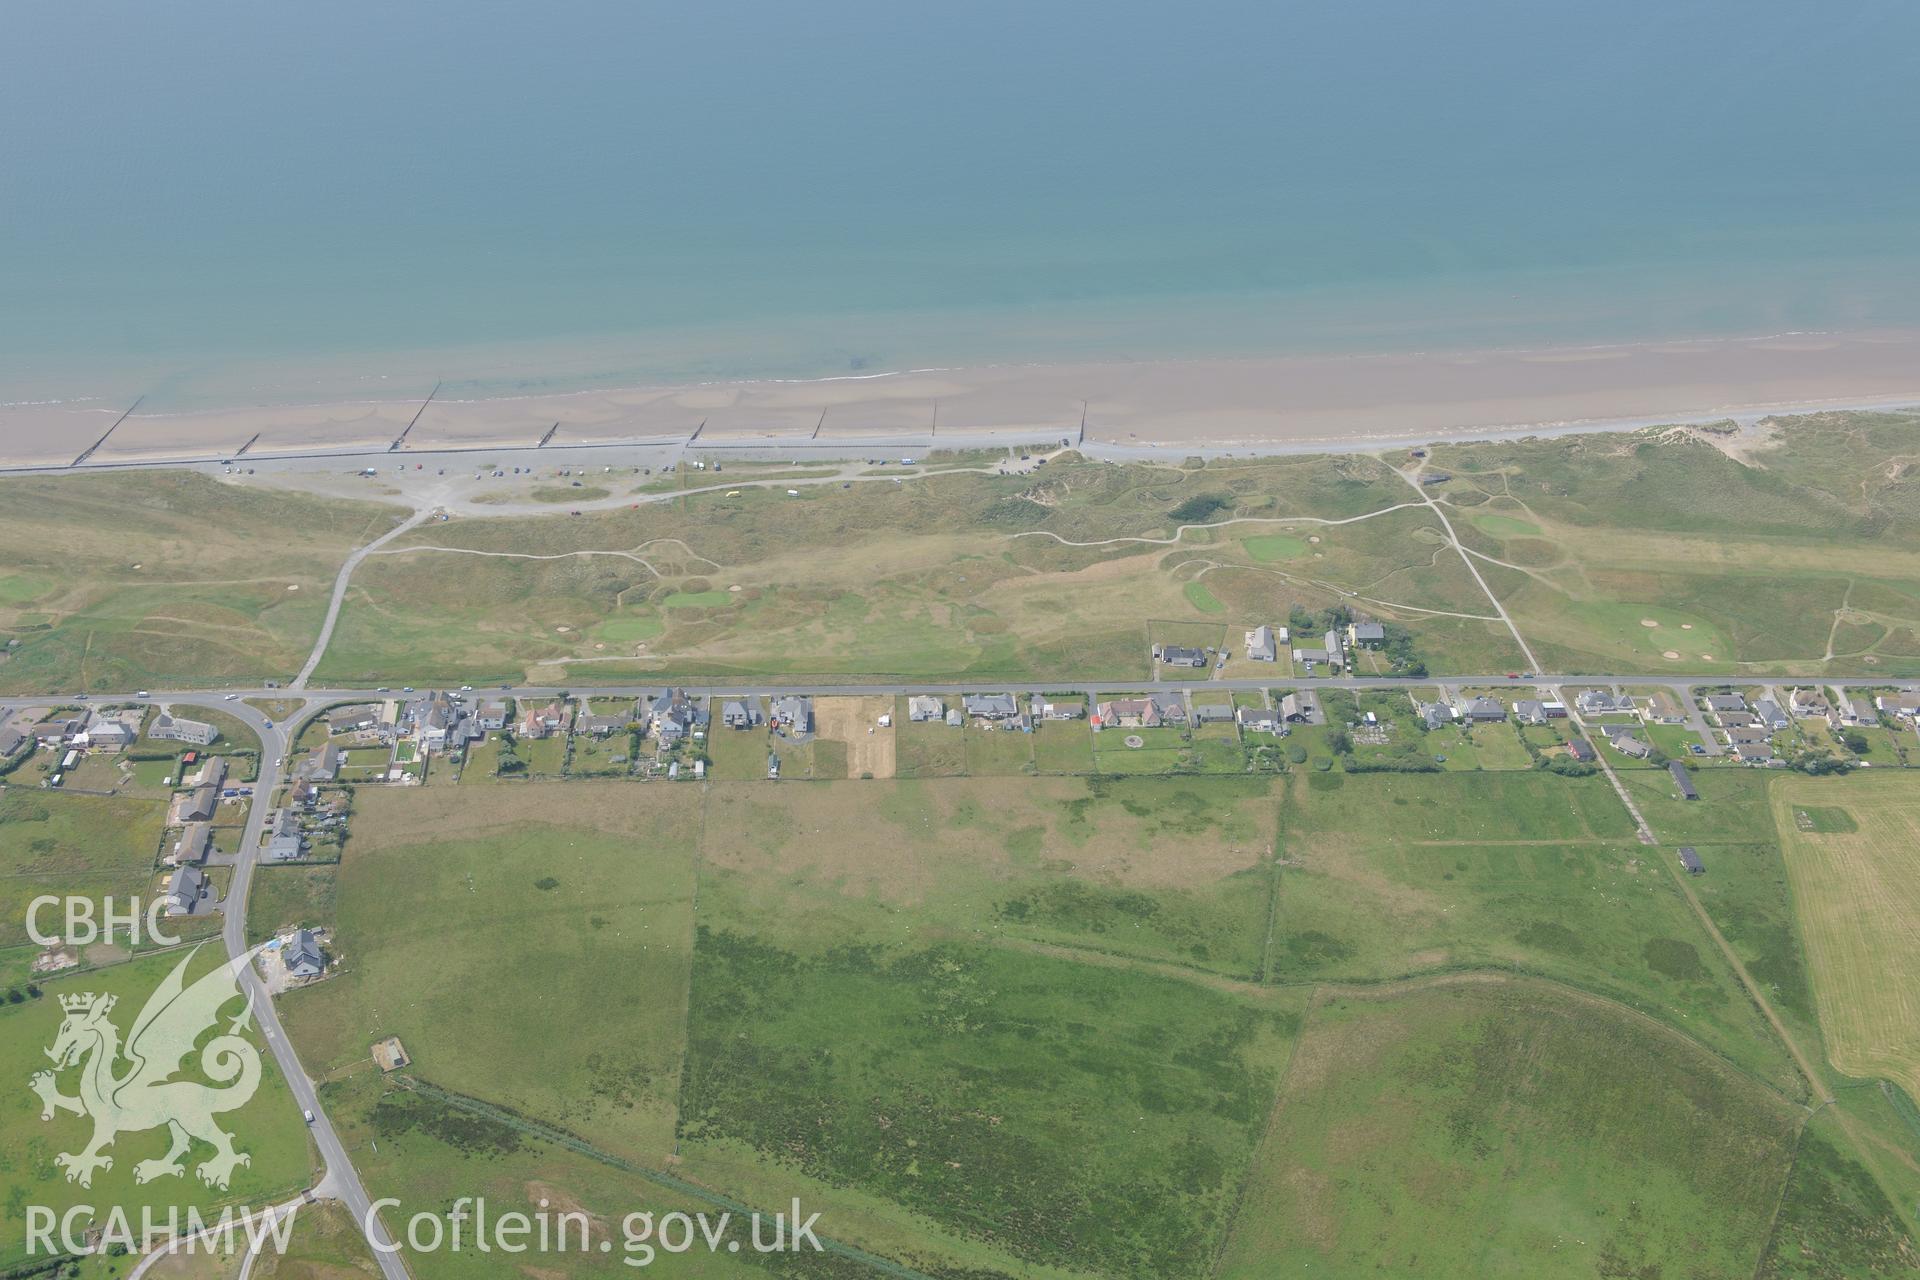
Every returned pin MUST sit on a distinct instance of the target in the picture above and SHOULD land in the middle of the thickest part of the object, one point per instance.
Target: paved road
(1682, 685)
(341, 1181)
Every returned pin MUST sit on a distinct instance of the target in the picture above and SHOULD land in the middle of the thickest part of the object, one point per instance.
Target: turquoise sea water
(225, 202)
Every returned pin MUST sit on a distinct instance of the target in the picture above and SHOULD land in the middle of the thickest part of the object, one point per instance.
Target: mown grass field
(1857, 893)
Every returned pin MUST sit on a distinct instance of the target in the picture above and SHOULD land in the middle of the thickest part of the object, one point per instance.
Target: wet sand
(1280, 404)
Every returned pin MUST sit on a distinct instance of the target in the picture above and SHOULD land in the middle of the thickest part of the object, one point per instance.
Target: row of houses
(102, 730)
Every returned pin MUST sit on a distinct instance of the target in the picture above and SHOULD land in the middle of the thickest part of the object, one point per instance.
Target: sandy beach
(1277, 404)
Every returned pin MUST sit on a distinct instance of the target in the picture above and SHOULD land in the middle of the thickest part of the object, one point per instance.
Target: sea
(229, 202)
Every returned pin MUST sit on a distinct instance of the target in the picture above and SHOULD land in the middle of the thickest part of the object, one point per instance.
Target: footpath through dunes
(1853, 856)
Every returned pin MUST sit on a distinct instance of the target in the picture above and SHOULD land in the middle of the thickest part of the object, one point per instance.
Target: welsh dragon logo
(144, 1095)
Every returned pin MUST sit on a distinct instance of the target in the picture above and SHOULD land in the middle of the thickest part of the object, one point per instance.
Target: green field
(166, 579)
(1397, 875)
(267, 1129)
(940, 1010)
(94, 847)
(1504, 1129)
(602, 886)
(1267, 548)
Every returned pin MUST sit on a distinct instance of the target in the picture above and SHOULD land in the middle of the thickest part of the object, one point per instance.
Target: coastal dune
(1275, 403)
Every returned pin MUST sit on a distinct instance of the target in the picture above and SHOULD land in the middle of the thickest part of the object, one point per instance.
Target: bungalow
(1370, 634)
(1336, 654)
(302, 955)
(1629, 743)
(601, 726)
(185, 890)
(1662, 708)
(1905, 704)
(1261, 646)
(793, 714)
(1748, 735)
(1300, 708)
(991, 706)
(1482, 710)
(1721, 702)
(1753, 752)
(1435, 715)
(1257, 720)
(1683, 780)
(12, 739)
(200, 806)
(212, 772)
(1174, 655)
(322, 763)
(541, 722)
(1530, 711)
(1860, 712)
(1809, 704)
(196, 842)
(1047, 709)
(345, 720)
(1691, 861)
(491, 715)
(923, 707)
(1582, 750)
(1600, 702)
(741, 713)
(173, 729)
(1171, 707)
(284, 848)
(1771, 715)
(1130, 713)
(1737, 719)
(1555, 710)
(1212, 713)
(1311, 656)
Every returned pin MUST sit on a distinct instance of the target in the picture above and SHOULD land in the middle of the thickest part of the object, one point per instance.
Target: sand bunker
(1649, 622)
(1671, 656)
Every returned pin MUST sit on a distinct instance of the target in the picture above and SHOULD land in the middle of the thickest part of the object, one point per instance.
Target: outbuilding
(1683, 780)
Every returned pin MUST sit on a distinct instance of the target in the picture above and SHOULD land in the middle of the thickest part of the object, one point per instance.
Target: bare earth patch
(855, 721)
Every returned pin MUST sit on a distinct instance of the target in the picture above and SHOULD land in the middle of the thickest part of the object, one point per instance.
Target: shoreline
(1262, 404)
